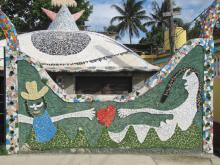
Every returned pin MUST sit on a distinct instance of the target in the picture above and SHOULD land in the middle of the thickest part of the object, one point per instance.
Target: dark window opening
(103, 85)
(98, 83)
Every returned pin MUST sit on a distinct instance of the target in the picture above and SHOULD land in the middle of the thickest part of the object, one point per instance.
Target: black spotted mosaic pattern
(60, 43)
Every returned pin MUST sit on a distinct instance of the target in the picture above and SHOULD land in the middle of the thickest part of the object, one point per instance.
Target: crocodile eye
(188, 73)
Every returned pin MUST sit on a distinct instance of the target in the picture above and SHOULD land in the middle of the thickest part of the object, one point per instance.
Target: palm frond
(119, 9)
(138, 6)
(177, 9)
(131, 18)
(141, 13)
(155, 7)
(117, 18)
(150, 23)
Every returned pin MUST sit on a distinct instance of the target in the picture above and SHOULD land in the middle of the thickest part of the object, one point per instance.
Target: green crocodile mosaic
(95, 135)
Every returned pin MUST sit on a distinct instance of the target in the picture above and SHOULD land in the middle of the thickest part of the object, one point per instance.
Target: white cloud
(191, 9)
(194, 3)
(101, 16)
(103, 12)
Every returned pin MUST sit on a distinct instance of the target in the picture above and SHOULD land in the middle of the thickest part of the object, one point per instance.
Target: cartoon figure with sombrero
(36, 108)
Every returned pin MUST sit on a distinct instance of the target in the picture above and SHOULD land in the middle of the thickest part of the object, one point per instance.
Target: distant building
(180, 38)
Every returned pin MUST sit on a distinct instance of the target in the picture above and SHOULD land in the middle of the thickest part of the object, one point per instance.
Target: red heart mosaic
(106, 116)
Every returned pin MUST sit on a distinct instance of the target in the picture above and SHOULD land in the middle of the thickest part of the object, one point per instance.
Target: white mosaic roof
(64, 47)
(101, 54)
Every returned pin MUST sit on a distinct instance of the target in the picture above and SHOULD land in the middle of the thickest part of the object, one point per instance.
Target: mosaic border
(12, 50)
(208, 22)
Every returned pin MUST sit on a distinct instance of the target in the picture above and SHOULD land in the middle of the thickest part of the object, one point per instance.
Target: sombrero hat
(32, 91)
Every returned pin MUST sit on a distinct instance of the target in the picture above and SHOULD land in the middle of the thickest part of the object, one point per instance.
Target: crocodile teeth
(118, 137)
(166, 130)
(141, 132)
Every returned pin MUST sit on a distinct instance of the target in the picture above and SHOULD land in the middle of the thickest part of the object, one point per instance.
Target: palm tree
(156, 18)
(132, 14)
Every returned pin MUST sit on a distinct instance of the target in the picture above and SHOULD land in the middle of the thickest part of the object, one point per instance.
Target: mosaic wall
(156, 120)
(148, 123)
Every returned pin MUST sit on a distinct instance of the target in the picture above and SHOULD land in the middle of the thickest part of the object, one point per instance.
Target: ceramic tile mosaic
(9, 31)
(208, 85)
(60, 43)
(11, 81)
(94, 57)
(207, 42)
(209, 20)
(167, 69)
(52, 15)
(112, 122)
(183, 116)
(44, 75)
(64, 21)
(155, 80)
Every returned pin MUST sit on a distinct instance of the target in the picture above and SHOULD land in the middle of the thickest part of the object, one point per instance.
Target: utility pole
(169, 14)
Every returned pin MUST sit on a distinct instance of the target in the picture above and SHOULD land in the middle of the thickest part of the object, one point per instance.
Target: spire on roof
(64, 2)
(64, 21)
(52, 15)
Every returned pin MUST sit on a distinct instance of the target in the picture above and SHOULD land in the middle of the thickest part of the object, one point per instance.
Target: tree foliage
(132, 14)
(158, 24)
(28, 16)
(154, 38)
(157, 18)
(195, 31)
(113, 29)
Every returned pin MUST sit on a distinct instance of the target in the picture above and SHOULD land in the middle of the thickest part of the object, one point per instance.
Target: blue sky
(103, 12)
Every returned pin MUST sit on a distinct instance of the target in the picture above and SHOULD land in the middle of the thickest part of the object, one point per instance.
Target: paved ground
(68, 159)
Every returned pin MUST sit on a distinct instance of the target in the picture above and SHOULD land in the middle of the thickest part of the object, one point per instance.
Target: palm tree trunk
(130, 35)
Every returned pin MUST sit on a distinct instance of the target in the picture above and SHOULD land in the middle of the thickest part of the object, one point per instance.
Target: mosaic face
(36, 108)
